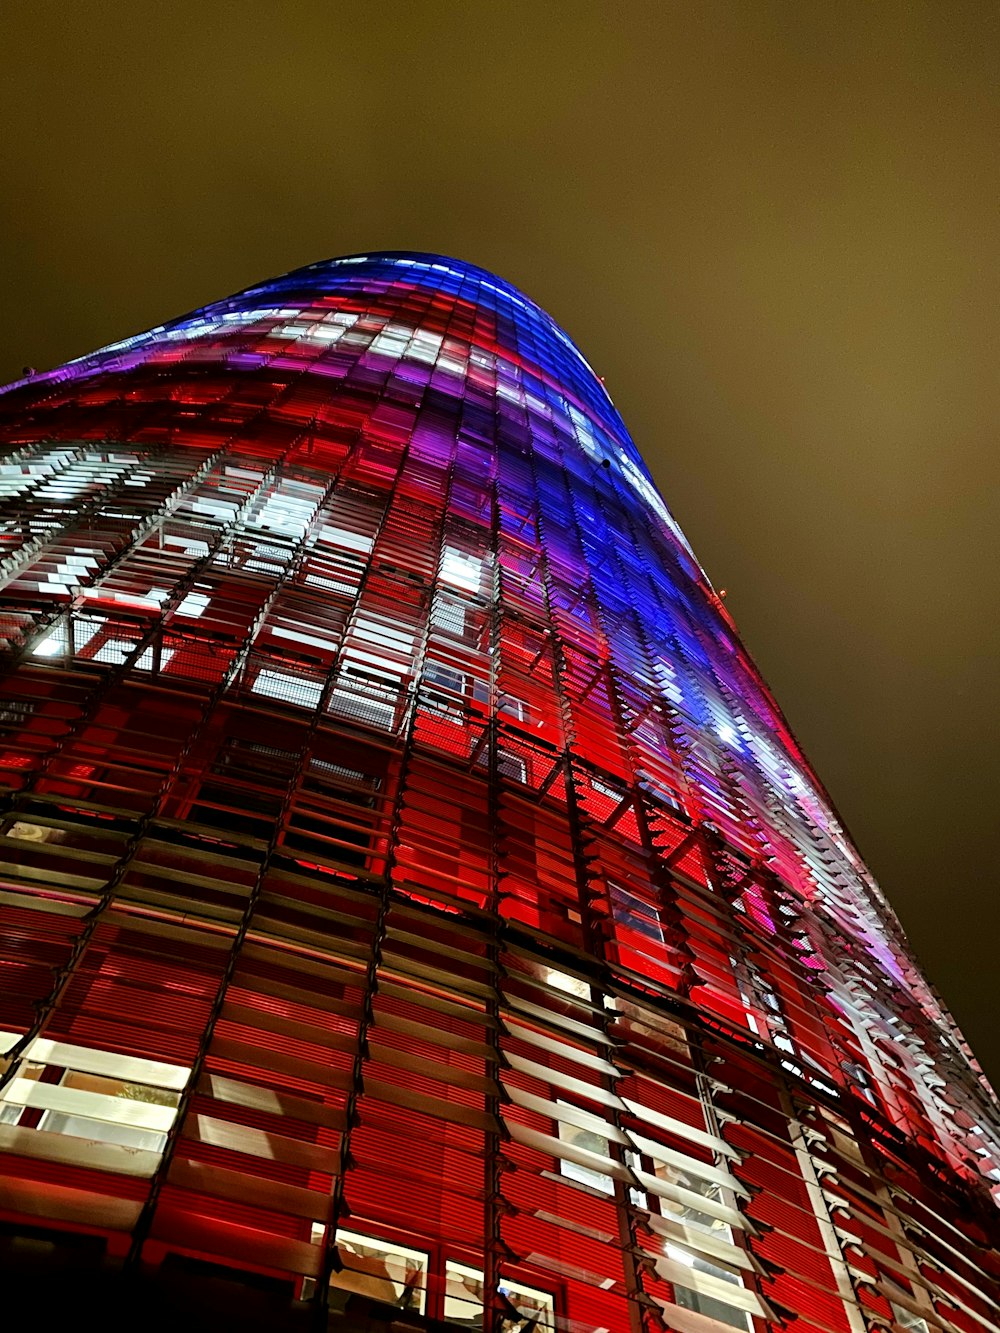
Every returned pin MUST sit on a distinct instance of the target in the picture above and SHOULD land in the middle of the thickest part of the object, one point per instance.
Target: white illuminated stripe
(194, 604)
(89, 1060)
(305, 640)
(57, 642)
(387, 672)
(353, 541)
(736, 1297)
(384, 636)
(222, 509)
(571, 985)
(91, 1105)
(195, 328)
(424, 347)
(392, 341)
(461, 570)
(50, 647)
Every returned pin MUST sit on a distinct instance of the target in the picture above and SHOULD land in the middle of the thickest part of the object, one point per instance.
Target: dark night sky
(772, 227)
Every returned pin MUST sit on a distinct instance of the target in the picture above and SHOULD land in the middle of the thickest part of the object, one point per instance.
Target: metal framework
(410, 890)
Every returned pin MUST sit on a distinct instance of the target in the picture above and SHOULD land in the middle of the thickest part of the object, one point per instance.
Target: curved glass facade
(411, 892)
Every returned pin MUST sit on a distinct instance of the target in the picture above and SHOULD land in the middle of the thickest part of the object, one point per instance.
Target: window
(448, 616)
(690, 1214)
(564, 982)
(588, 1140)
(141, 1114)
(512, 708)
(361, 697)
(300, 690)
(461, 570)
(702, 1301)
(907, 1319)
(633, 913)
(460, 685)
(380, 1270)
(97, 1095)
(700, 1296)
(526, 1309)
(511, 766)
(445, 678)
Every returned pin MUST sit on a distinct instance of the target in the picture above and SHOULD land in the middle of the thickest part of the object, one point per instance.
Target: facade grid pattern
(409, 888)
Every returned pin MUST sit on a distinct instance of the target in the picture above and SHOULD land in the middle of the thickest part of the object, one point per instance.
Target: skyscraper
(413, 897)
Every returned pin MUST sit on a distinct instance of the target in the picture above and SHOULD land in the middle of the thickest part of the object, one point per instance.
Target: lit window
(907, 1319)
(446, 679)
(461, 570)
(702, 1300)
(587, 1140)
(194, 604)
(99, 1096)
(448, 616)
(360, 700)
(526, 1309)
(436, 673)
(32, 832)
(351, 541)
(633, 913)
(138, 1116)
(53, 645)
(705, 1291)
(57, 643)
(511, 707)
(144, 662)
(292, 689)
(571, 985)
(511, 766)
(380, 1270)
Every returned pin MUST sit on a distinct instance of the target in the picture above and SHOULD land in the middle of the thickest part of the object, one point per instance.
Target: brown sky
(772, 228)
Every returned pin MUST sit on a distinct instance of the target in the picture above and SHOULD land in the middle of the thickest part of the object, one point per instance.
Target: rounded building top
(514, 324)
(522, 325)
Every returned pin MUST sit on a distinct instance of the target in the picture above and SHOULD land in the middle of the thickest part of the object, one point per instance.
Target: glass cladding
(410, 889)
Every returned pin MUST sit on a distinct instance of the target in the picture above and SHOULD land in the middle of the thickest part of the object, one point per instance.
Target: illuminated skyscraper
(412, 895)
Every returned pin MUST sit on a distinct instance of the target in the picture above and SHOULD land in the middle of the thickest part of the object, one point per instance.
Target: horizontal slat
(566, 1051)
(568, 1152)
(439, 1107)
(670, 1125)
(712, 1246)
(685, 1163)
(289, 1027)
(564, 1082)
(690, 1199)
(279, 1062)
(256, 1098)
(73, 1151)
(92, 1105)
(738, 1296)
(428, 1067)
(90, 1060)
(566, 1114)
(59, 1203)
(241, 1187)
(260, 1143)
(190, 1233)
